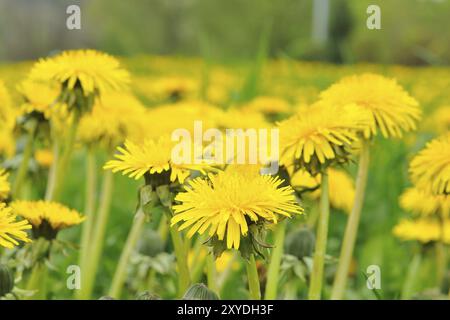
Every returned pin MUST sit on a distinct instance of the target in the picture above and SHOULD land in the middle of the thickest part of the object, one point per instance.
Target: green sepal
(148, 199)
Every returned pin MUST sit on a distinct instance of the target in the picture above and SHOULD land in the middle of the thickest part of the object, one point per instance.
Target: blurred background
(414, 32)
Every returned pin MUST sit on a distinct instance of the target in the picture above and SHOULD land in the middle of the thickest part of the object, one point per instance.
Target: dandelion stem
(253, 279)
(441, 254)
(315, 287)
(23, 168)
(408, 285)
(98, 235)
(133, 236)
(54, 186)
(441, 262)
(181, 256)
(37, 280)
(275, 261)
(211, 272)
(86, 232)
(351, 229)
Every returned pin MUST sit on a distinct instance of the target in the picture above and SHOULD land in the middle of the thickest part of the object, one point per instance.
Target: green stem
(199, 260)
(291, 290)
(133, 236)
(441, 262)
(441, 254)
(315, 287)
(351, 229)
(37, 280)
(23, 168)
(98, 235)
(181, 255)
(275, 261)
(211, 272)
(411, 276)
(52, 171)
(61, 168)
(253, 279)
(86, 232)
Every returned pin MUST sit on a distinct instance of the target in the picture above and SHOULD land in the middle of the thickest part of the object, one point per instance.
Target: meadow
(174, 91)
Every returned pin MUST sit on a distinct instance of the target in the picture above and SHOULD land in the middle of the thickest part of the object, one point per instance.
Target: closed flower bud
(147, 296)
(300, 243)
(150, 243)
(199, 291)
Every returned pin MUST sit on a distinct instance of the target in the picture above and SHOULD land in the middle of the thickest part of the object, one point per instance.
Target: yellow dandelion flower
(391, 108)
(44, 157)
(423, 203)
(46, 217)
(423, 230)
(11, 230)
(113, 119)
(94, 71)
(430, 169)
(341, 187)
(317, 136)
(40, 98)
(5, 188)
(153, 157)
(230, 201)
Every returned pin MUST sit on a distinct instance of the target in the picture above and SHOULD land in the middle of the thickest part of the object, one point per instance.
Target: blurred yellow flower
(5, 188)
(95, 72)
(319, 135)
(172, 87)
(11, 230)
(423, 230)
(40, 98)
(114, 118)
(267, 105)
(235, 118)
(341, 187)
(425, 204)
(47, 218)
(44, 157)
(153, 157)
(7, 143)
(391, 108)
(225, 261)
(227, 203)
(430, 168)
(7, 112)
(439, 121)
(166, 118)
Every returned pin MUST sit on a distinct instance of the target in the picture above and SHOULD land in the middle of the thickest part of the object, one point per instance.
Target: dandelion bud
(199, 291)
(300, 243)
(150, 243)
(147, 296)
(148, 199)
(164, 195)
(6, 280)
